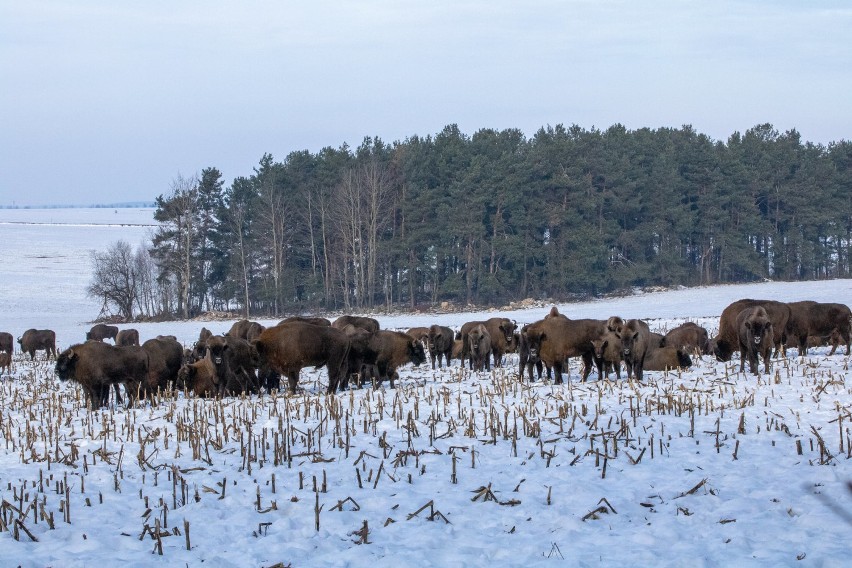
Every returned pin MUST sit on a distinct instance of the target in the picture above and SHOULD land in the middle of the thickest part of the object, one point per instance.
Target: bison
(727, 340)
(199, 377)
(6, 343)
(818, 319)
(5, 362)
(689, 337)
(636, 342)
(287, 348)
(394, 349)
(526, 361)
(245, 329)
(607, 354)
(555, 339)
(236, 361)
(501, 332)
(756, 337)
(666, 358)
(97, 366)
(479, 348)
(38, 340)
(369, 324)
(127, 337)
(419, 333)
(440, 344)
(165, 357)
(101, 331)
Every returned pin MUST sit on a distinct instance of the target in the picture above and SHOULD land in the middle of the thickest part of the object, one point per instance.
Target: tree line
(496, 216)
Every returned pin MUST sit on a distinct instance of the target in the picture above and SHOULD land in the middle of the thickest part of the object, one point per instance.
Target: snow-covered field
(701, 468)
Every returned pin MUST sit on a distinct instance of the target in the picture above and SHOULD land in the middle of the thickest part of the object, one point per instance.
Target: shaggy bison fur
(727, 340)
(38, 340)
(818, 319)
(101, 331)
(756, 337)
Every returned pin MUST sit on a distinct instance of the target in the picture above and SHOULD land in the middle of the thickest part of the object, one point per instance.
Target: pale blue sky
(110, 101)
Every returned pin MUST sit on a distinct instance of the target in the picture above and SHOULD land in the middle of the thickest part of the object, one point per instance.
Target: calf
(756, 337)
(607, 355)
(5, 363)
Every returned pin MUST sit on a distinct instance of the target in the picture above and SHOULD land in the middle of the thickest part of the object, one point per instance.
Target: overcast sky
(103, 102)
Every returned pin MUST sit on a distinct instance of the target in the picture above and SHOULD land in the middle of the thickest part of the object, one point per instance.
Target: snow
(697, 468)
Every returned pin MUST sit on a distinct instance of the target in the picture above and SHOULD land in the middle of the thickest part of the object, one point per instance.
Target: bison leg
(587, 366)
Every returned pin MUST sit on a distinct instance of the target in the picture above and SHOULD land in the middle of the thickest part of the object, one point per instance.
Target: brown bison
(6, 343)
(666, 358)
(756, 337)
(614, 324)
(419, 333)
(636, 342)
(818, 319)
(727, 340)
(5, 362)
(555, 339)
(479, 348)
(127, 337)
(394, 349)
(526, 361)
(101, 331)
(38, 340)
(501, 332)
(286, 349)
(306, 319)
(245, 329)
(236, 362)
(165, 357)
(689, 337)
(607, 354)
(98, 366)
(834, 339)
(199, 377)
(362, 355)
(369, 324)
(440, 344)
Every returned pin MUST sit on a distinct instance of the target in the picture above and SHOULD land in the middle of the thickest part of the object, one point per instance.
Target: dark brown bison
(556, 339)
(6, 343)
(689, 337)
(479, 348)
(101, 331)
(727, 340)
(199, 377)
(245, 329)
(818, 319)
(666, 359)
(38, 340)
(526, 361)
(362, 352)
(97, 366)
(394, 349)
(287, 348)
(5, 362)
(199, 350)
(636, 342)
(607, 354)
(440, 344)
(834, 339)
(419, 333)
(369, 324)
(127, 337)
(614, 324)
(165, 357)
(501, 332)
(307, 319)
(756, 337)
(236, 362)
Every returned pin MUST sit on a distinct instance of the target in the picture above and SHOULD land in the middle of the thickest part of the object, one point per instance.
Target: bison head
(416, 353)
(628, 340)
(508, 328)
(65, 364)
(599, 346)
(216, 348)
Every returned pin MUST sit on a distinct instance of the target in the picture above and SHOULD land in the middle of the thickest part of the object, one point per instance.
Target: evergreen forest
(495, 217)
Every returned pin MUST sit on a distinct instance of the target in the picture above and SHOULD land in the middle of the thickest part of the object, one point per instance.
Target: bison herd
(250, 358)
